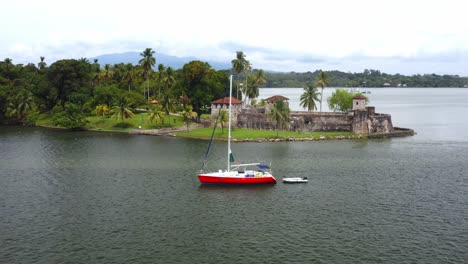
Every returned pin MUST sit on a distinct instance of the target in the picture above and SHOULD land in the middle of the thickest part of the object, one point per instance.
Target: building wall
(268, 106)
(253, 121)
(357, 121)
(236, 108)
(359, 104)
(316, 121)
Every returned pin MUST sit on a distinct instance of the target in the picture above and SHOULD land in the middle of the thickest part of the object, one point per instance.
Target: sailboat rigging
(235, 173)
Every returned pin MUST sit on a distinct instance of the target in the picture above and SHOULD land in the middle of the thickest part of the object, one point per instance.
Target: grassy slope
(107, 123)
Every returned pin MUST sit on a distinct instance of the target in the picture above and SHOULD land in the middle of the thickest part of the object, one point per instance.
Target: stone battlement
(361, 121)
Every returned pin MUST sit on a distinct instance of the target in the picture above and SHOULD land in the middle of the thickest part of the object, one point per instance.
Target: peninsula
(78, 94)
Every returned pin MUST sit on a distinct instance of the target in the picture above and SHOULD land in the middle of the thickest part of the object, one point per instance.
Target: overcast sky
(393, 36)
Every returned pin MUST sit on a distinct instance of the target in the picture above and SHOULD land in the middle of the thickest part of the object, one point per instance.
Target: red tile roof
(275, 98)
(225, 100)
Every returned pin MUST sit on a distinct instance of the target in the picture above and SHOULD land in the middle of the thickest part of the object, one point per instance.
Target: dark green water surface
(84, 197)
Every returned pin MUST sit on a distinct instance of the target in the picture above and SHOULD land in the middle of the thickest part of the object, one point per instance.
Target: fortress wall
(312, 121)
(359, 124)
(303, 121)
(253, 120)
(380, 123)
(357, 121)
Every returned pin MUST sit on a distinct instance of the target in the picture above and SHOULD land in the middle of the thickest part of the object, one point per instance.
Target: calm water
(83, 197)
(435, 113)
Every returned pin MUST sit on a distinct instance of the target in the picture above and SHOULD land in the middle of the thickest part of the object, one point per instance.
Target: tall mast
(229, 122)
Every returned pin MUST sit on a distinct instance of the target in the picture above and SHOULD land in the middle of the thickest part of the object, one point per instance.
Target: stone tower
(223, 104)
(359, 124)
(359, 102)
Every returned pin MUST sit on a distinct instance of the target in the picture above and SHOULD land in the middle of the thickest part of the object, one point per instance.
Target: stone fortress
(361, 119)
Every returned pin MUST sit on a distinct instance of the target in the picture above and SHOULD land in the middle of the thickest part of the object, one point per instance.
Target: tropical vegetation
(342, 100)
(279, 115)
(366, 78)
(223, 119)
(71, 92)
(147, 63)
(241, 65)
(322, 81)
(310, 98)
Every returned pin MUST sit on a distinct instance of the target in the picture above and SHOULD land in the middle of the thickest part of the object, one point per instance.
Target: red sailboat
(236, 173)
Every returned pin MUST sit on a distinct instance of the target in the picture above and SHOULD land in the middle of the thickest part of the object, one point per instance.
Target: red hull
(205, 179)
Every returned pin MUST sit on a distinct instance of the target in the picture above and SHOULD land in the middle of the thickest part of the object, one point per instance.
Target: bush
(342, 100)
(31, 118)
(123, 125)
(70, 117)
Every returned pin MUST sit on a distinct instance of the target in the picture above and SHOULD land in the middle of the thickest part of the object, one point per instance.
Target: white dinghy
(295, 180)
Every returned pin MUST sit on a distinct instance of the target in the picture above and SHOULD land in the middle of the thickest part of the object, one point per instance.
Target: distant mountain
(167, 60)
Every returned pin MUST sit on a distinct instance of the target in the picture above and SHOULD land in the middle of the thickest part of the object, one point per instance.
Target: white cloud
(335, 30)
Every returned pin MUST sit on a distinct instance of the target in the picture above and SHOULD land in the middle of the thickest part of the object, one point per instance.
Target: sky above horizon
(393, 36)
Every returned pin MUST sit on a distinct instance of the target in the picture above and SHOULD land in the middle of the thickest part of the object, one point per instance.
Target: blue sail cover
(263, 167)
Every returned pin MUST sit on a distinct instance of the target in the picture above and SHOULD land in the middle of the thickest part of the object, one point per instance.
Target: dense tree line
(368, 78)
(76, 88)
(72, 89)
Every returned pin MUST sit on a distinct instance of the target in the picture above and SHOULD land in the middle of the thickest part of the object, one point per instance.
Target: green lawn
(111, 124)
(246, 134)
(108, 123)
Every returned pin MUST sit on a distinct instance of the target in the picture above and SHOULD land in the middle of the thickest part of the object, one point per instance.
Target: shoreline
(401, 132)
(170, 132)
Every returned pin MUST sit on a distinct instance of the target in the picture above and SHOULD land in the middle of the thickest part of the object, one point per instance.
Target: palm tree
(240, 64)
(251, 88)
(107, 73)
(41, 65)
(96, 78)
(20, 105)
(102, 110)
(96, 65)
(254, 90)
(259, 77)
(161, 72)
(223, 119)
(279, 115)
(309, 97)
(121, 110)
(130, 75)
(252, 84)
(119, 72)
(155, 114)
(9, 65)
(147, 64)
(188, 115)
(168, 79)
(322, 81)
(167, 104)
(83, 59)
